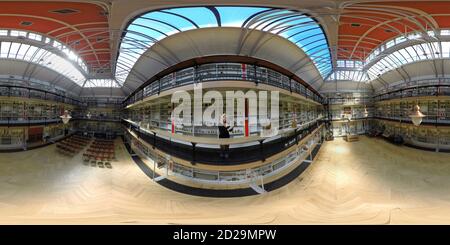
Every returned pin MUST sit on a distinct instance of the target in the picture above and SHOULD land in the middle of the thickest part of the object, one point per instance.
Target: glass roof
(43, 57)
(151, 27)
(45, 51)
(366, 71)
(49, 42)
(357, 76)
(101, 83)
(418, 52)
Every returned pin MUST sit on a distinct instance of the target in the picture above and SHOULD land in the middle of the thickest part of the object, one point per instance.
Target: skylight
(58, 45)
(103, 83)
(43, 57)
(149, 28)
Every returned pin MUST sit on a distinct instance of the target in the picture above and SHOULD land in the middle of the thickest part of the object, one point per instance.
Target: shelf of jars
(12, 138)
(97, 113)
(414, 84)
(220, 72)
(350, 101)
(170, 168)
(23, 137)
(37, 94)
(436, 111)
(156, 114)
(103, 102)
(417, 91)
(212, 131)
(208, 135)
(353, 127)
(341, 113)
(98, 128)
(429, 137)
(26, 112)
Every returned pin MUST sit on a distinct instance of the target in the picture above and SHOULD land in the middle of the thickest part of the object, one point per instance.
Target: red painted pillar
(246, 118)
(172, 120)
(244, 73)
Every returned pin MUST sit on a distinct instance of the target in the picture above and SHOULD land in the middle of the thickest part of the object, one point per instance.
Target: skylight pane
(39, 55)
(174, 20)
(147, 34)
(445, 49)
(202, 16)
(291, 25)
(303, 32)
(13, 50)
(29, 54)
(57, 44)
(102, 83)
(235, 16)
(34, 36)
(21, 53)
(5, 49)
(15, 33)
(150, 24)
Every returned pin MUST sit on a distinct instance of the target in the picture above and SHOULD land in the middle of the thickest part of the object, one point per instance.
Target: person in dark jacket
(224, 133)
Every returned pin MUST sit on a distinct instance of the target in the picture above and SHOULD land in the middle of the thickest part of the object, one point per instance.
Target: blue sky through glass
(235, 16)
(298, 28)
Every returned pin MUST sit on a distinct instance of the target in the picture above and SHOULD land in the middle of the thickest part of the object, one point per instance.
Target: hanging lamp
(416, 115)
(66, 117)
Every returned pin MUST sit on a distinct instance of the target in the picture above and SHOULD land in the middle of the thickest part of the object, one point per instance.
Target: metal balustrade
(18, 121)
(425, 90)
(429, 138)
(255, 151)
(220, 72)
(34, 93)
(12, 121)
(428, 120)
(301, 153)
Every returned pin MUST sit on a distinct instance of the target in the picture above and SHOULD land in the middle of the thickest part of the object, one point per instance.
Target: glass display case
(156, 113)
(14, 111)
(11, 137)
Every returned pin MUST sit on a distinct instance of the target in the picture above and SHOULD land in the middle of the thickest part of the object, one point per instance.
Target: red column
(246, 118)
(172, 119)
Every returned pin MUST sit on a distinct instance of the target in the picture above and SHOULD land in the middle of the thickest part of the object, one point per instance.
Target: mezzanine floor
(364, 182)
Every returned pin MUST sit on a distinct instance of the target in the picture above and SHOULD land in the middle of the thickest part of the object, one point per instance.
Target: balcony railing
(303, 152)
(426, 90)
(220, 72)
(26, 92)
(255, 151)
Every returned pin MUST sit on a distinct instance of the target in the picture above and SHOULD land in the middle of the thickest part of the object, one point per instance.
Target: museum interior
(224, 112)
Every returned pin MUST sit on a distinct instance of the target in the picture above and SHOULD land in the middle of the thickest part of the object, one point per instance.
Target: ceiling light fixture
(416, 115)
(65, 117)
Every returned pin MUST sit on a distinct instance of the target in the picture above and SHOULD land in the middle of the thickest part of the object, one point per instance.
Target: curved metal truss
(147, 29)
(43, 40)
(399, 54)
(44, 56)
(45, 51)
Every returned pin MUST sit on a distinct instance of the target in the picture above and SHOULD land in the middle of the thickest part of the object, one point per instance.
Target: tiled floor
(368, 181)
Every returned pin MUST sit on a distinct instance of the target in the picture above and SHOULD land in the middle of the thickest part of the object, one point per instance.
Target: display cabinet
(436, 111)
(156, 113)
(11, 137)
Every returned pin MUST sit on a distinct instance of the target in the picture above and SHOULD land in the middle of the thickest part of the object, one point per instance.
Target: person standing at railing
(224, 133)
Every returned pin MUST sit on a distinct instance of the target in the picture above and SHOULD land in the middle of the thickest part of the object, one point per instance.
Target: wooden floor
(365, 182)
